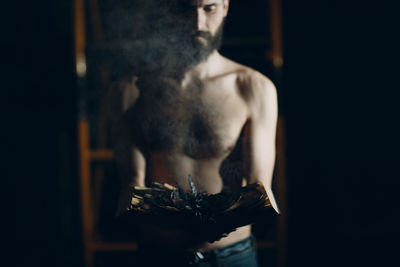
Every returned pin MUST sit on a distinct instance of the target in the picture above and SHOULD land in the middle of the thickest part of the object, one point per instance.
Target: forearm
(266, 183)
(125, 192)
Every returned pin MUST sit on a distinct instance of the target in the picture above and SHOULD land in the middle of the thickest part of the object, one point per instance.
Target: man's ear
(226, 7)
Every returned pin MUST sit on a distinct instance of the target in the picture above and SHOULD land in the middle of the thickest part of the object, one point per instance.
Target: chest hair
(171, 118)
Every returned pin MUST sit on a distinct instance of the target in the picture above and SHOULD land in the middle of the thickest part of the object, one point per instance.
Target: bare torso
(198, 140)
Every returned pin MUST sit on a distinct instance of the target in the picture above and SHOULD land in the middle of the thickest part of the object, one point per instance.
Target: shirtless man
(168, 127)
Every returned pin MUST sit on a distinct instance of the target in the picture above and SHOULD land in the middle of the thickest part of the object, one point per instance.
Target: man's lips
(200, 38)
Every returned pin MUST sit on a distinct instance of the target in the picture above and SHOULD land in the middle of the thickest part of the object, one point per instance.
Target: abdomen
(174, 169)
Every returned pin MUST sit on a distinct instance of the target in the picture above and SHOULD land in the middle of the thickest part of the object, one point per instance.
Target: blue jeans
(239, 254)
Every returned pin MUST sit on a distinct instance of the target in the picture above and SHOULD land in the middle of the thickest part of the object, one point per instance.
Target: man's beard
(184, 53)
(202, 52)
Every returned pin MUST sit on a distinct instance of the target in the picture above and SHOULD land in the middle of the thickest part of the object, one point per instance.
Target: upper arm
(260, 131)
(130, 160)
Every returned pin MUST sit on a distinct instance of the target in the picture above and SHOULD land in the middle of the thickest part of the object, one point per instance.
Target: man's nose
(201, 20)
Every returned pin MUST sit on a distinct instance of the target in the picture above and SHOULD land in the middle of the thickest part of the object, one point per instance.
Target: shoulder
(254, 85)
(249, 81)
(257, 90)
(122, 94)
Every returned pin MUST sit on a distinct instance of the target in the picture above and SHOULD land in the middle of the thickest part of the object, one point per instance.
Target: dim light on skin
(203, 71)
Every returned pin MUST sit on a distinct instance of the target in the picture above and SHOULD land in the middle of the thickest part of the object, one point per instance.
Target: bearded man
(184, 112)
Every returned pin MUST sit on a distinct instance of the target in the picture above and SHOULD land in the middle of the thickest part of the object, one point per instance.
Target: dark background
(339, 95)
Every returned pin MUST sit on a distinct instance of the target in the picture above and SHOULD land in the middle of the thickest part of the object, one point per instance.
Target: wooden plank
(101, 154)
(83, 133)
(275, 11)
(85, 177)
(86, 205)
(80, 37)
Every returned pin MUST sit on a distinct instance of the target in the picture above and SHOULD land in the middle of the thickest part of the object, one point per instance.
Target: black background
(339, 96)
(341, 101)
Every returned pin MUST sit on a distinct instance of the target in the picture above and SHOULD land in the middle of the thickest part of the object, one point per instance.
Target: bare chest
(199, 122)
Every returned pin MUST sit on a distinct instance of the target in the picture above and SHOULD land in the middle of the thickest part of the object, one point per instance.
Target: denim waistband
(196, 257)
(224, 252)
(234, 248)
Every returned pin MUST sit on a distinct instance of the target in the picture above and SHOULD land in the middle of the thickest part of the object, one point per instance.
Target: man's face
(198, 22)
(207, 27)
(209, 17)
(184, 33)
